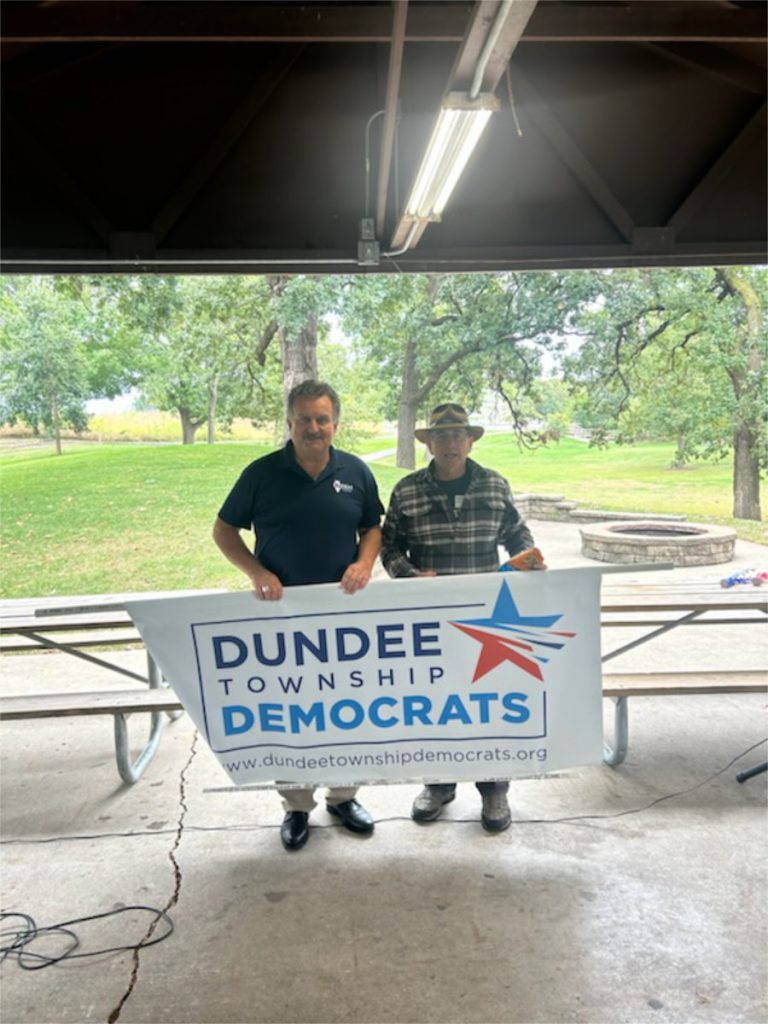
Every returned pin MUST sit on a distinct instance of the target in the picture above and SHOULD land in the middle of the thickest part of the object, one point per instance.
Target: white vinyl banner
(455, 677)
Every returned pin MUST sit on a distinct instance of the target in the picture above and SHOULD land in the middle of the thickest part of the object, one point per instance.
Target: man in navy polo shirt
(316, 513)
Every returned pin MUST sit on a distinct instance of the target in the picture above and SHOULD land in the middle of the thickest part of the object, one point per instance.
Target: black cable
(21, 938)
(379, 821)
(658, 800)
(629, 810)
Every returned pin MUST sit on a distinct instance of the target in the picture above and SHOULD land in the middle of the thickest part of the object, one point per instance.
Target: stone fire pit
(678, 543)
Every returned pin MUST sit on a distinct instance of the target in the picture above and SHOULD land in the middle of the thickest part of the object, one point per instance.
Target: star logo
(509, 636)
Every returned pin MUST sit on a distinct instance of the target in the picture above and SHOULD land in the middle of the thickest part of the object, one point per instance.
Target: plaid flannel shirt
(422, 531)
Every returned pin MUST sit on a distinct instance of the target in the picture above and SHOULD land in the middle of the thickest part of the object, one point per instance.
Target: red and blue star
(527, 634)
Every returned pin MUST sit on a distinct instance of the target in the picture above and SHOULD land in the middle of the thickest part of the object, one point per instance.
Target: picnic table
(69, 624)
(655, 607)
(635, 602)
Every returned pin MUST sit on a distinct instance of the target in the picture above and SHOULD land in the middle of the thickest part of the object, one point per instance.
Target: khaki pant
(304, 799)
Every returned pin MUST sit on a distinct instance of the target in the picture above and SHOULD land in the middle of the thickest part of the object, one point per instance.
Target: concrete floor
(624, 912)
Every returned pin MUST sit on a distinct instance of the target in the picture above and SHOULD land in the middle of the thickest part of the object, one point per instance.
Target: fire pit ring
(627, 542)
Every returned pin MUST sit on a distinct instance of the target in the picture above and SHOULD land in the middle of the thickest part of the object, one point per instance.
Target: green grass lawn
(636, 478)
(116, 518)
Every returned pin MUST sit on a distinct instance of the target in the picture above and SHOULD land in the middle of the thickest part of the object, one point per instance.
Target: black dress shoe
(353, 816)
(294, 831)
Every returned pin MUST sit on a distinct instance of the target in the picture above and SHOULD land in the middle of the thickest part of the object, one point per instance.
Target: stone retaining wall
(556, 508)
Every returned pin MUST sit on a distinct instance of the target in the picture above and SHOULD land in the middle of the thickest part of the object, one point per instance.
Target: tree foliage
(682, 352)
(357, 383)
(61, 344)
(220, 347)
(205, 348)
(451, 337)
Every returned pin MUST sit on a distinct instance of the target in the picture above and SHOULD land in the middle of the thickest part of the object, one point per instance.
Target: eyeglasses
(459, 434)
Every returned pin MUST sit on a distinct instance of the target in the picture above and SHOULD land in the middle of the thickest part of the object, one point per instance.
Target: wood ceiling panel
(231, 136)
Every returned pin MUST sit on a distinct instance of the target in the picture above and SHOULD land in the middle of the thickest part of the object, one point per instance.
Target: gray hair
(314, 389)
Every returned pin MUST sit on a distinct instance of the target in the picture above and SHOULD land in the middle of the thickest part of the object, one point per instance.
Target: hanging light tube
(458, 129)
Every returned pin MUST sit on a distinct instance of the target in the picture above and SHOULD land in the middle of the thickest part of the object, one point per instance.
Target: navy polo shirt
(306, 530)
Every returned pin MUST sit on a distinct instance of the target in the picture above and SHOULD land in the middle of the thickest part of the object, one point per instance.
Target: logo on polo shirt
(338, 486)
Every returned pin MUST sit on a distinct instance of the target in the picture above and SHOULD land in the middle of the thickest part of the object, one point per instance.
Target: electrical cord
(21, 938)
(444, 821)
(15, 941)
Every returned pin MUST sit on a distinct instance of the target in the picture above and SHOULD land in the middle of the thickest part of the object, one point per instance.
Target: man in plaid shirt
(449, 519)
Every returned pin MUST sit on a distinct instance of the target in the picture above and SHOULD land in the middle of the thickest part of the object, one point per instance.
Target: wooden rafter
(265, 83)
(714, 62)
(49, 165)
(742, 145)
(572, 156)
(400, 16)
(482, 27)
(225, 21)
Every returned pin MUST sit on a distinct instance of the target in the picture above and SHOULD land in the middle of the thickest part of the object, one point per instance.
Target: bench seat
(623, 685)
(120, 703)
(61, 705)
(658, 684)
(159, 701)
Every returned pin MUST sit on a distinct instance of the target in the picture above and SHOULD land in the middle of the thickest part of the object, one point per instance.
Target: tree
(58, 349)
(205, 352)
(356, 380)
(113, 344)
(674, 410)
(685, 348)
(300, 306)
(209, 352)
(550, 403)
(457, 333)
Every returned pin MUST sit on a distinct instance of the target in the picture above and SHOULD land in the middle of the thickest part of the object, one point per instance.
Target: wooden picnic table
(637, 602)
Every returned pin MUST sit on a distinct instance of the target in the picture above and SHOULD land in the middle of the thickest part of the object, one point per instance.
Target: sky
(122, 403)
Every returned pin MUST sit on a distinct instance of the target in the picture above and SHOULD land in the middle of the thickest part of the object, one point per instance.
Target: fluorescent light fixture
(459, 126)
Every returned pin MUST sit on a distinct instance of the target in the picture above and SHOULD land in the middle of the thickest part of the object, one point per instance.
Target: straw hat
(448, 416)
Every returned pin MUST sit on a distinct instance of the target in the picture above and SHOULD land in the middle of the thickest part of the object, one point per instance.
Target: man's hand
(355, 577)
(266, 586)
(529, 560)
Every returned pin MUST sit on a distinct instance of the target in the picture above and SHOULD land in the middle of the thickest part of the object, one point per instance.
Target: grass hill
(115, 518)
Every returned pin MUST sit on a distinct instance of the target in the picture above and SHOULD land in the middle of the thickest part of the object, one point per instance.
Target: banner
(455, 677)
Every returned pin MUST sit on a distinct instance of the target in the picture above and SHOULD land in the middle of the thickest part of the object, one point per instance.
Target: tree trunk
(750, 410)
(56, 423)
(213, 394)
(407, 409)
(299, 356)
(189, 426)
(679, 460)
(746, 475)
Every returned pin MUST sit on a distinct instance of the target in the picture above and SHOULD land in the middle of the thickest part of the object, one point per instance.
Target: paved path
(383, 454)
